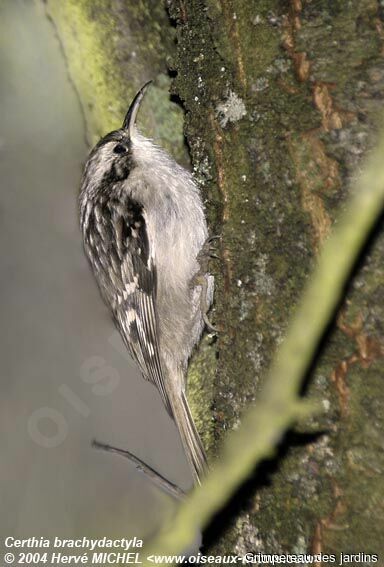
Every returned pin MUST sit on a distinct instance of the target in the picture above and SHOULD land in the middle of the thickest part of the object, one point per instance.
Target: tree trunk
(112, 47)
(282, 99)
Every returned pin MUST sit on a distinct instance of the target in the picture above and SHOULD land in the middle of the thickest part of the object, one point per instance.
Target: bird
(145, 235)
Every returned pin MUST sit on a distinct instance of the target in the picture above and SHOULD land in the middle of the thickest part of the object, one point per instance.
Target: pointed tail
(190, 438)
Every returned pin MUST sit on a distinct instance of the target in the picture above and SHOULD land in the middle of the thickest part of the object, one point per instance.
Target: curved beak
(130, 117)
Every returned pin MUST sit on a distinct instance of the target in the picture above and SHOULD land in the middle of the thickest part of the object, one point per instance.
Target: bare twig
(155, 477)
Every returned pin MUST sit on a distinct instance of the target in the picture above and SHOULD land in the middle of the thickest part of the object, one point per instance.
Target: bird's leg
(200, 279)
(203, 283)
(206, 253)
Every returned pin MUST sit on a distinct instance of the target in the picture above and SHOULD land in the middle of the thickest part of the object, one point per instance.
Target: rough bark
(283, 99)
(292, 94)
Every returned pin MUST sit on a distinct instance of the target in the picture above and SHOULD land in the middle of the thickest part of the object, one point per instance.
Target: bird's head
(113, 157)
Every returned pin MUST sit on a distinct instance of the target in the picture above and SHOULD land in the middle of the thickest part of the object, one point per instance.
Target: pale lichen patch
(232, 109)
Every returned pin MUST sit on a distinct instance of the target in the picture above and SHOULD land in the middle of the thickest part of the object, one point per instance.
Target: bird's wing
(135, 310)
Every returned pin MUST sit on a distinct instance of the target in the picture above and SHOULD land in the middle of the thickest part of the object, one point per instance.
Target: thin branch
(155, 477)
(279, 404)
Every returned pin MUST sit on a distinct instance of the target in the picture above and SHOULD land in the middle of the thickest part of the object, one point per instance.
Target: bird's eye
(120, 149)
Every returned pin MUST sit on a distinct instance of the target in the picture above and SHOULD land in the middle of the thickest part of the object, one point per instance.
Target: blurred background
(65, 376)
